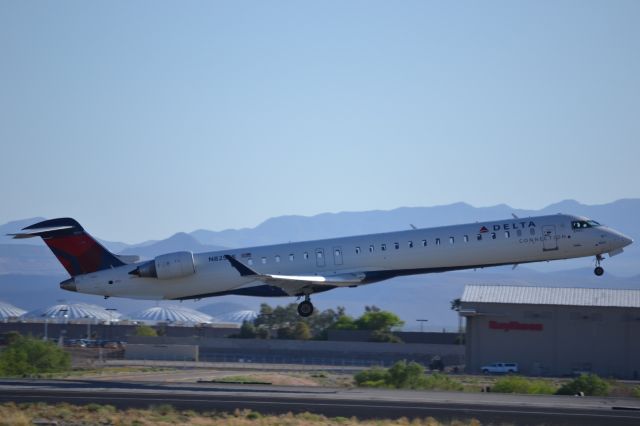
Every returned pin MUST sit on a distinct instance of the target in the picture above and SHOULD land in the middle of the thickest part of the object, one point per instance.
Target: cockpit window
(581, 224)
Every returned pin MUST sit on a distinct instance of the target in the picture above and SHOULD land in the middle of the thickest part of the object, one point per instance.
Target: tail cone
(69, 285)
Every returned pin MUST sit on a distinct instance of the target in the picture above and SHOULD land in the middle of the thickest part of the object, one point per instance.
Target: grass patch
(166, 415)
(439, 381)
(240, 380)
(523, 385)
(403, 375)
(103, 371)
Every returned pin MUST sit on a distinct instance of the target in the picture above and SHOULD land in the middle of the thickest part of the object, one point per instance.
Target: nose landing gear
(305, 308)
(599, 270)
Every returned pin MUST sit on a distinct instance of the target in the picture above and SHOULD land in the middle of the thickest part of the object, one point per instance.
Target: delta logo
(509, 226)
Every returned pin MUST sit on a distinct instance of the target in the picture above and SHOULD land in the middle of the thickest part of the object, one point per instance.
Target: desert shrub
(403, 375)
(163, 409)
(373, 377)
(519, 384)
(145, 330)
(590, 384)
(26, 356)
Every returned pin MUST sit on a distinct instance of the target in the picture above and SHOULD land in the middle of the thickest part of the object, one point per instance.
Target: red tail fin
(76, 250)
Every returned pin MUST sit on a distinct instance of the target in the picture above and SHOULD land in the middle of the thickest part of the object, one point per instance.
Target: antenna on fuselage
(514, 216)
(412, 226)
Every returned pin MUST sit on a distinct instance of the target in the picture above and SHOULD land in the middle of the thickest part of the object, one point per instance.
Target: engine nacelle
(168, 266)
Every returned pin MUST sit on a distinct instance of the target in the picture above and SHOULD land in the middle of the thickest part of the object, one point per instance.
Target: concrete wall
(108, 332)
(405, 336)
(162, 352)
(555, 340)
(297, 351)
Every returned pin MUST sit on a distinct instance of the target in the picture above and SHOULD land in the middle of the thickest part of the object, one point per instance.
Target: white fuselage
(377, 256)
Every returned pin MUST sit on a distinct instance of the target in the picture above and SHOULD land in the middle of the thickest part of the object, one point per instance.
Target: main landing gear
(599, 269)
(305, 308)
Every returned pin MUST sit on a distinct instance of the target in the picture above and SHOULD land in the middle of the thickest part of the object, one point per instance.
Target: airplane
(301, 269)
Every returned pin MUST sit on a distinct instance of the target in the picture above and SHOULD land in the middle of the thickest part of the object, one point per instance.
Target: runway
(362, 403)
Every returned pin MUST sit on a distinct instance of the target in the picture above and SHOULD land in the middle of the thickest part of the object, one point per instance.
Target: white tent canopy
(7, 311)
(73, 312)
(171, 314)
(238, 317)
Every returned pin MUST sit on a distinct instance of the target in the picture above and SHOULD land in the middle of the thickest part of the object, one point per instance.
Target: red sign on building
(515, 325)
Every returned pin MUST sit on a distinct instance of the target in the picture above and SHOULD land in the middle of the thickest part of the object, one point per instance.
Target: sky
(144, 118)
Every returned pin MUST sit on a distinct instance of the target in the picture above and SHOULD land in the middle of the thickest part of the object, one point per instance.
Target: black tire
(305, 309)
(598, 271)
(485, 371)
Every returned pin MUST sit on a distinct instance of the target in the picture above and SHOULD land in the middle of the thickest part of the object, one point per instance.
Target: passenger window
(264, 260)
(466, 238)
(319, 254)
(371, 248)
(357, 250)
(493, 235)
(277, 259)
(383, 247)
(532, 231)
(437, 241)
(424, 243)
(479, 237)
(507, 234)
(291, 257)
(305, 255)
(396, 245)
(451, 240)
(410, 244)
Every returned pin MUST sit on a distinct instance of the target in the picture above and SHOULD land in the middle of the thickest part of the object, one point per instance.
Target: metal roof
(568, 296)
(7, 311)
(172, 314)
(238, 317)
(73, 311)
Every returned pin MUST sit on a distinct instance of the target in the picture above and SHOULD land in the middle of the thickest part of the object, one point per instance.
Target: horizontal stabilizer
(38, 232)
(128, 259)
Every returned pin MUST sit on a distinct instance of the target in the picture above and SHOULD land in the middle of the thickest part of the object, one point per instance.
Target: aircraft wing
(294, 284)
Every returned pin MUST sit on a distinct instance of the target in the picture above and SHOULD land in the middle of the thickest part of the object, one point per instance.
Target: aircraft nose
(621, 239)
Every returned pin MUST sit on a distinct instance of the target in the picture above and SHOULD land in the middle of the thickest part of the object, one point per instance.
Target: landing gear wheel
(599, 269)
(305, 308)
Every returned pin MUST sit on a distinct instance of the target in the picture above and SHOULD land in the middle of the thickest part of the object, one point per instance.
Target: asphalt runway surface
(362, 403)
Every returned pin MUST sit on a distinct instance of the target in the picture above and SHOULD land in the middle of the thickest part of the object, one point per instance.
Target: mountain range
(27, 267)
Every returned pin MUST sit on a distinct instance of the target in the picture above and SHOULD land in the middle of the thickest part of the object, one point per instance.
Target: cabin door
(337, 255)
(320, 257)
(549, 241)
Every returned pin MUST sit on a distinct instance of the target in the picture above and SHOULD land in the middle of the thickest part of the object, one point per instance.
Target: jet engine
(168, 266)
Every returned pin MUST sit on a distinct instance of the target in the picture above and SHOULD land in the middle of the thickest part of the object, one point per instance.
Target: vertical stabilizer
(76, 250)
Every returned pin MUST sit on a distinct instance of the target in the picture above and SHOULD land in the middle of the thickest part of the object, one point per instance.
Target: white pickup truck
(500, 367)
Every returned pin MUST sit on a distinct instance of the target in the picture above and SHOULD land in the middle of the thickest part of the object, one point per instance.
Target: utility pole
(422, 321)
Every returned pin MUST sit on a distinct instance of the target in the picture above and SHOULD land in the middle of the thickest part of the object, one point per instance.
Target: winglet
(243, 269)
